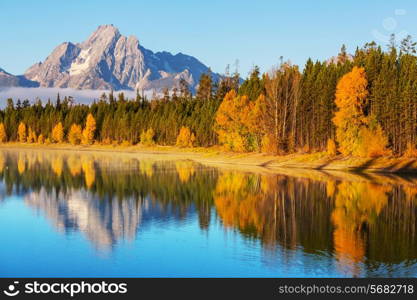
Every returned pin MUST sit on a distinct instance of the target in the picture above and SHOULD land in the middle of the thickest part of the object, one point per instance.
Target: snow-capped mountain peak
(109, 60)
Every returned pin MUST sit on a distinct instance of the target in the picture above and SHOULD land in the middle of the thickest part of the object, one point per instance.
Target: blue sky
(216, 32)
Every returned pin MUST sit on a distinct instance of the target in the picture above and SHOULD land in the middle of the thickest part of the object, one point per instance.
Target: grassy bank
(315, 161)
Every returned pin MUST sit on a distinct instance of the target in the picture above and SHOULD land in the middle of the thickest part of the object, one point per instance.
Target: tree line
(363, 104)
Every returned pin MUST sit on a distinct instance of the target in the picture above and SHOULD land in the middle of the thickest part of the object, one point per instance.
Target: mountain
(109, 60)
(9, 80)
(339, 58)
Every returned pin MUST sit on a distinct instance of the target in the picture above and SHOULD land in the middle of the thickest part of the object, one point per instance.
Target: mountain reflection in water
(365, 224)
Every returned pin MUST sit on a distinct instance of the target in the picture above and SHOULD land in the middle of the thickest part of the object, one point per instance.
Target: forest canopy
(363, 104)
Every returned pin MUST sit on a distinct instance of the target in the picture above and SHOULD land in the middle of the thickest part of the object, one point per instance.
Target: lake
(86, 214)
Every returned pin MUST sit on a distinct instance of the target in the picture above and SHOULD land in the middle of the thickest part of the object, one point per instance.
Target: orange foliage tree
(356, 133)
(237, 123)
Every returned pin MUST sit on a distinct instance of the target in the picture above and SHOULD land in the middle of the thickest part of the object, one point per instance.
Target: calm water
(72, 214)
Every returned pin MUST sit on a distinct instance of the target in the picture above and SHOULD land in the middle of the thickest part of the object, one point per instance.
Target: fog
(80, 96)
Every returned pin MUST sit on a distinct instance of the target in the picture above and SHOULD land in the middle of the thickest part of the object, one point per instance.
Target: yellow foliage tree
(146, 137)
(41, 139)
(21, 132)
(185, 138)
(58, 133)
(32, 138)
(89, 130)
(356, 133)
(75, 134)
(3, 135)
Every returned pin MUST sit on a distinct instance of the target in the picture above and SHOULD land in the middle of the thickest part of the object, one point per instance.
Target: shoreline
(314, 161)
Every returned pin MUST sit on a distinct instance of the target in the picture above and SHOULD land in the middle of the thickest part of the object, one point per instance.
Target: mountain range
(108, 60)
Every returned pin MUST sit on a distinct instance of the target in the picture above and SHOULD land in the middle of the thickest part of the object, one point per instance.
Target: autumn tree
(21, 132)
(185, 138)
(41, 139)
(236, 123)
(350, 100)
(297, 110)
(372, 140)
(31, 138)
(147, 137)
(89, 130)
(58, 133)
(356, 133)
(3, 135)
(75, 134)
(282, 88)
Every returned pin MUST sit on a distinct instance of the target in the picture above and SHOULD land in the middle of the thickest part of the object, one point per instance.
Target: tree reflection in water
(359, 220)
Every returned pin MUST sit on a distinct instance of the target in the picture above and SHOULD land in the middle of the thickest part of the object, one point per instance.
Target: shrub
(373, 142)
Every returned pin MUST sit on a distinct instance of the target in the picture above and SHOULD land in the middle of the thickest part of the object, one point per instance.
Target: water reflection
(366, 224)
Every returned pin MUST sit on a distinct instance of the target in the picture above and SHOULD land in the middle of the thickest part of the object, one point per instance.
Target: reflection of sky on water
(88, 216)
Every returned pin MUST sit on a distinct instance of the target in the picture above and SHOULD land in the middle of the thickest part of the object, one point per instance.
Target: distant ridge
(9, 80)
(108, 60)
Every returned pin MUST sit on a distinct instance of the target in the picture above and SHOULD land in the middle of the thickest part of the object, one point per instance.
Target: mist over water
(90, 214)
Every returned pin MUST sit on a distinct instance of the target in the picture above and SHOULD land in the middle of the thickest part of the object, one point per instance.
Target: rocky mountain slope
(9, 80)
(109, 60)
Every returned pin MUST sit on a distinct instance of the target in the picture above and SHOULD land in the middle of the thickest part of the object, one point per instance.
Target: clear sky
(216, 32)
